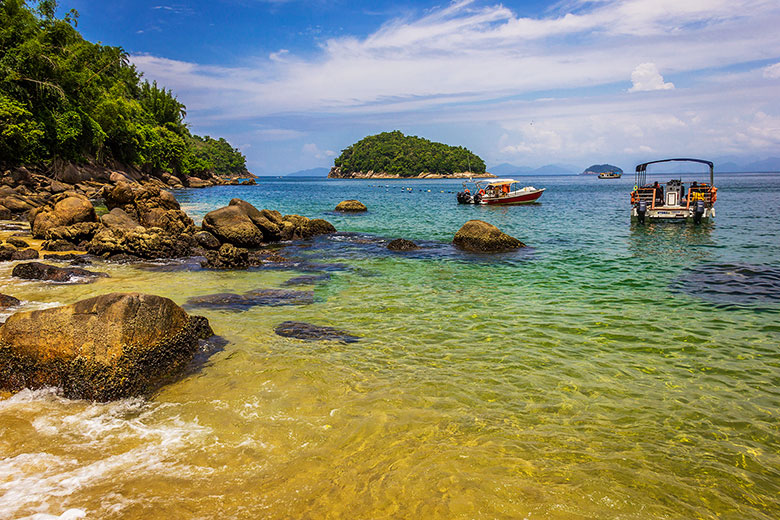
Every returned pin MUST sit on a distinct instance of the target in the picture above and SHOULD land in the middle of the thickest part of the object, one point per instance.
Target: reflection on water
(672, 240)
(729, 284)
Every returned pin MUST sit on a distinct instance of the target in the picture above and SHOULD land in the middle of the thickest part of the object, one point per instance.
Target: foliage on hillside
(602, 168)
(407, 156)
(66, 98)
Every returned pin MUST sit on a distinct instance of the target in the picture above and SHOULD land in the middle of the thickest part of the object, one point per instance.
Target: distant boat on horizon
(610, 175)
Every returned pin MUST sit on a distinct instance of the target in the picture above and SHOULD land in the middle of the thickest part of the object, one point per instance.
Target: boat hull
(517, 197)
(673, 214)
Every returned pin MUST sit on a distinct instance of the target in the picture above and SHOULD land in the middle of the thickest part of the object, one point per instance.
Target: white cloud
(468, 62)
(313, 150)
(773, 71)
(646, 77)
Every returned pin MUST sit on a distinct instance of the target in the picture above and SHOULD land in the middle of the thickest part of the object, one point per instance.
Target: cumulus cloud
(313, 150)
(772, 72)
(646, 77)
(468, 62)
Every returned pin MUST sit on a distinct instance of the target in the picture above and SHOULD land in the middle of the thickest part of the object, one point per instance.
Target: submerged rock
(351, 206)
(242, 302)
(307, 279)
(480, 237)
(8, 301)
(39, 271)
(309, 332)
(103, 348)
(401, 244)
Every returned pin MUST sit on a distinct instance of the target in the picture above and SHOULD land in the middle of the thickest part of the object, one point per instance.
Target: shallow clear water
(607, 371)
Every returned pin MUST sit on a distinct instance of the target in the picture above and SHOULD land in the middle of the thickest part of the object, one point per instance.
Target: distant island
(311, 172)
(392, 155)
(601, 168)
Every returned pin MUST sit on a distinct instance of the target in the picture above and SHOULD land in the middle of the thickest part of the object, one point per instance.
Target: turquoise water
(606, 371)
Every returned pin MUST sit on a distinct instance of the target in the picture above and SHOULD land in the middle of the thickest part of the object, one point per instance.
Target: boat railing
(646, 195)
(705, 193)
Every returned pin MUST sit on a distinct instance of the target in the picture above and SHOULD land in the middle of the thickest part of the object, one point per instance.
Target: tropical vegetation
(407, 156)
(62, 97)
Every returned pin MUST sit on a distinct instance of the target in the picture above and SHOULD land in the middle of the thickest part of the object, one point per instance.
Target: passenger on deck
(659, 193)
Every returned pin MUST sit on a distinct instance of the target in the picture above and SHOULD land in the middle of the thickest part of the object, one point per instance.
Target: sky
(291, 83)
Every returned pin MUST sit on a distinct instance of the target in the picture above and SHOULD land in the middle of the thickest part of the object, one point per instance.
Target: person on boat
(659, 193)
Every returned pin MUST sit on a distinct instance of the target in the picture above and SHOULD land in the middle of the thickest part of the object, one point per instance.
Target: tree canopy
(407, 156)
(64, 97)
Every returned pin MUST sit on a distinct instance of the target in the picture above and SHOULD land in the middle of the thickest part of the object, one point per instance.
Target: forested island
(67, 101)
(395, 155)
(601, 168)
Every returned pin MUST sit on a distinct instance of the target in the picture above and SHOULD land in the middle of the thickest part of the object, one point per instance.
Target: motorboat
(499, 192)
(674, 200)
(610, 175)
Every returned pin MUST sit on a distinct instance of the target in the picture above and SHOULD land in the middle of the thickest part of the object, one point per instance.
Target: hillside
(66, 100)
(395, 154)
(311, 172)
(601, 168)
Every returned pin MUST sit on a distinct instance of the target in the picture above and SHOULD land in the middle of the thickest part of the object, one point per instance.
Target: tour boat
(610, 175)
(671, 201)
(499, 192)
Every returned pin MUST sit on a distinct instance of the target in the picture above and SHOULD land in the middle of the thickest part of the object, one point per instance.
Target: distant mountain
(601, 168)
(311, 172)
(767, 165)
(506, 170)
(552, 169)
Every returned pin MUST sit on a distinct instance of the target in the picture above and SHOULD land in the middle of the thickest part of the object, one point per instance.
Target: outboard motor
(641, 210)
(477, 198)
(464, 197)
(698, 212)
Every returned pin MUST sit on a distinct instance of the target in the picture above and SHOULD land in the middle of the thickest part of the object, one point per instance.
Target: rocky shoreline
(336, 173)
(124, 344)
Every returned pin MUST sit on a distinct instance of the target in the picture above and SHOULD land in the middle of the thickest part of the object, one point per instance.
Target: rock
(17, 204)
(206, 240)
(59, 245)
(39, 271)
(269, 228)
(307, 279)
(309, 332)
(17, 242)
(59, 187)
(249, 182)
(117, 177)
(401, 244)
(480, 237)
(242, 302)
(318, 226)
(73, 258)
(76, 233)
(6, 252)
(8, 301)
(26, 254)
(231, 224)
(70, 209)
(5, 213)
(194, 182)
(117, 218)
(107, 347)
(351, 206)
(228, 257)
(141, 242)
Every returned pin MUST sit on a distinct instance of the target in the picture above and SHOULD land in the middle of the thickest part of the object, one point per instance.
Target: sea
(608, 370)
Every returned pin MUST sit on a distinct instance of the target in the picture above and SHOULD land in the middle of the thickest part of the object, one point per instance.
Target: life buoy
(467, 191)
(714, 194)
(633, 197)
(481, 192)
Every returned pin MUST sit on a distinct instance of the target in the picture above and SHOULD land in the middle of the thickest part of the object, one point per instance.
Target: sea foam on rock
(103, 348)
(480, 237)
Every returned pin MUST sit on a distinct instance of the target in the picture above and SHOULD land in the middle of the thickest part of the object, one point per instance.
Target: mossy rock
(480, 237)
(351, 206)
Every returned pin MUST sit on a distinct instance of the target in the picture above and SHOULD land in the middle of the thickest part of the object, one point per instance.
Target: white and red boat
(499, 192)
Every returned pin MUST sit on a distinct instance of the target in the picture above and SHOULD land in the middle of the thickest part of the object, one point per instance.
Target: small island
(393, 155)
(601, 168)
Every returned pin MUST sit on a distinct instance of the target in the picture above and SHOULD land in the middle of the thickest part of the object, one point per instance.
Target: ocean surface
(606, 371)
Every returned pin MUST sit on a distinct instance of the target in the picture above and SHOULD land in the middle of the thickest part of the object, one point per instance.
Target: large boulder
(142, 242)
(268, 226)
(480, 237)
(117, 218)
(231, 224)
(351, 206)
(107, 347)
(402, 244)
(70, 209)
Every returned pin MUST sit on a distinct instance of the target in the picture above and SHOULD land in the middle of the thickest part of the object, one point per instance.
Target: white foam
(41, 481)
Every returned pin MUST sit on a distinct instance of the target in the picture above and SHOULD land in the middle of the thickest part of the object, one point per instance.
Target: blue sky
(291, 83)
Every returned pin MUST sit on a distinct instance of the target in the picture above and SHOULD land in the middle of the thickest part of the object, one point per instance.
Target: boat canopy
(641, 169)
(500, 182)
